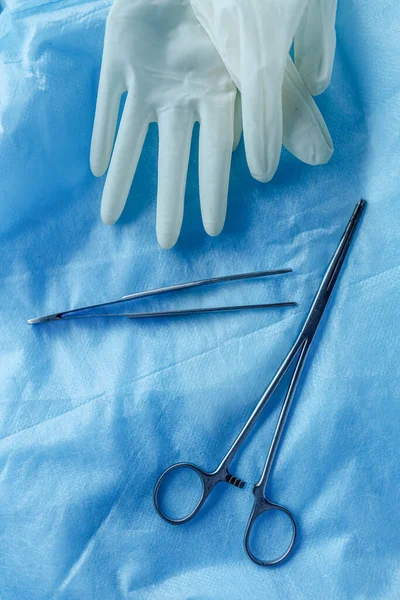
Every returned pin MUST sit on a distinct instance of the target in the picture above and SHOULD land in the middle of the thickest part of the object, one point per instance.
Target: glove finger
(305, 133)
(238, 121)
(263, 54)
(175, 128)
(124, 160)
(253, 39)
(315, 44)
(105, 121)
(262, 125)
(215, 152)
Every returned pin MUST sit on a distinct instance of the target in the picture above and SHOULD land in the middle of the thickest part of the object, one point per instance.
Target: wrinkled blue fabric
(93, 411)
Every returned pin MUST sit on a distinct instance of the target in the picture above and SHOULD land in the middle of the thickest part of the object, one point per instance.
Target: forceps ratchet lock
(296, 358)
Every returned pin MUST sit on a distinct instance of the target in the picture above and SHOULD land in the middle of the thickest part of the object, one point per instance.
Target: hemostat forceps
(72, 314)
(298, 351)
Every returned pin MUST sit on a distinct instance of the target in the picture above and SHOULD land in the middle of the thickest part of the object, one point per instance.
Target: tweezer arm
(172, 313)
(202, 282)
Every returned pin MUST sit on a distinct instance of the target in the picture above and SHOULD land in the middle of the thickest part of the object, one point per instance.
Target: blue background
(91, 412)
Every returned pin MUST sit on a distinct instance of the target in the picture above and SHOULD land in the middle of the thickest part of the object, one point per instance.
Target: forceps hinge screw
(235, 481)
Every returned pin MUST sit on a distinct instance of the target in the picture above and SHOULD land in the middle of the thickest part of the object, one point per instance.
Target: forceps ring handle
(208, 481)
(261, 506)
(207, 487)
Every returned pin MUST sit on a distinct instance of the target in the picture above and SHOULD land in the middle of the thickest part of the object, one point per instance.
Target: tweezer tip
(39, 320)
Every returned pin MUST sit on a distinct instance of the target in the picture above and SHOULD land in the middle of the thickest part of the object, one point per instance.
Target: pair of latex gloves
(225, 64)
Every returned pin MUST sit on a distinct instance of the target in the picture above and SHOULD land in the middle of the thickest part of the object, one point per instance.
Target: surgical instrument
(71, 314)
(298, 351)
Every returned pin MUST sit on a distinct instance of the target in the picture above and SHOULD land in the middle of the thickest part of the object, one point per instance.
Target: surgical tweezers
(300, 351)
(71, 314)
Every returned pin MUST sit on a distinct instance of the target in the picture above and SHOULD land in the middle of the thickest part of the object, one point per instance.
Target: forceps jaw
(208, 481)
(328, 283)
(262, 505)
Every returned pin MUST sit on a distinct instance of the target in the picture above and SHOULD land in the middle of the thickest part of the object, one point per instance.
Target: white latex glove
(158, 52)
(253, 38)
